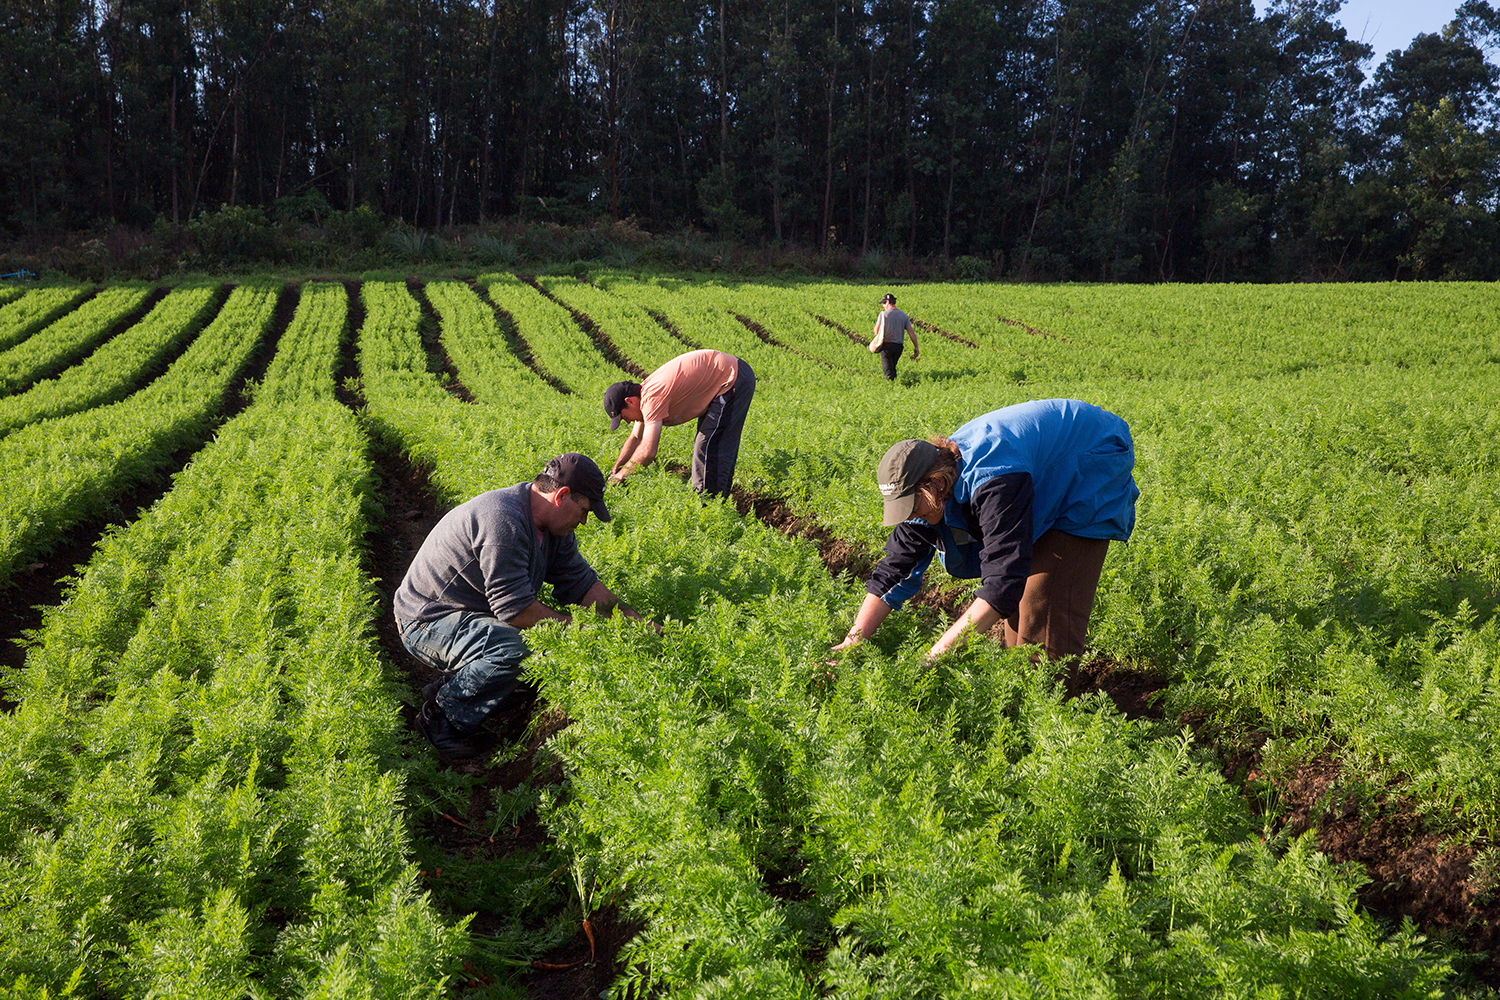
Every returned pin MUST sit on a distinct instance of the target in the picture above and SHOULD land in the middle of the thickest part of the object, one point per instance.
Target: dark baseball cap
(888, 297)
(898, 474)
(579, 474)
(614, 400)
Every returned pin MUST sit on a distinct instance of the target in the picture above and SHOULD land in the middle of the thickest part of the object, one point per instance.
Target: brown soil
(924, 325)
(576, 970)
(437, 355)
(841, 329)
(666, 324)
(838, 555)
(510, 332)
(1032, 330)
(765, 335)
(1135, 694)
(1415, 871)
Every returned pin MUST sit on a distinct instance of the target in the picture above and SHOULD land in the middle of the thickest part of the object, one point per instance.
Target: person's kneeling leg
(482, 658)
(487, 657)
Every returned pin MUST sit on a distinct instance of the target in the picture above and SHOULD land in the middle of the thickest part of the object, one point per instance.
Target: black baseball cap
(898, 474)
(888, 297)
(614, 400)
(579, 473)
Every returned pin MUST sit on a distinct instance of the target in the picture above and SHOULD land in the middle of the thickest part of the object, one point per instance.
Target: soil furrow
(841, 329)
(510, 332)
(666, 324)
(922, 324)
(430, 329)
(601, 340)
(577, 969)
(765, 335)
(1033, 330)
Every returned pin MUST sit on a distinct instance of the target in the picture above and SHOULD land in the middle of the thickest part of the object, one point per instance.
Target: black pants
(717, 446)
(888, 355)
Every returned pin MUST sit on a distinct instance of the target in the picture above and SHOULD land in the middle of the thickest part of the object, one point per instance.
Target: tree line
(1083, 139)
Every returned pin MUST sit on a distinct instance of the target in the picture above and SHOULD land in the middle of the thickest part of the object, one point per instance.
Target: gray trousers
(716, 449)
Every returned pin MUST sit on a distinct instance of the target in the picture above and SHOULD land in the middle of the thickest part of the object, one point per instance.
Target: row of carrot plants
(72, 337)
(1315, 557)
(200, 791)
(1316, 554)
(33, 309)
(120, 365)
(62, 472)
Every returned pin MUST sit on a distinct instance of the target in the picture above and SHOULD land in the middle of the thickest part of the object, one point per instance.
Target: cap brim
(614, 422)
(599, 508)
(899, 509)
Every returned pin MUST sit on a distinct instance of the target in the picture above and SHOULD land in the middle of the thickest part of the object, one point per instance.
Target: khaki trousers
(1059, 595)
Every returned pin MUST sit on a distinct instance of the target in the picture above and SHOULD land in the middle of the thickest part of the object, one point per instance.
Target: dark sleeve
(1002, 506)
(569, 573)
(898, 575)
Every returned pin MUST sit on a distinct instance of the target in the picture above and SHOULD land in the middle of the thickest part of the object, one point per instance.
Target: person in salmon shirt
(710, 387)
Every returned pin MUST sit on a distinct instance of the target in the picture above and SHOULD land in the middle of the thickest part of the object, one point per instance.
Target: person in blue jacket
(1026, 499)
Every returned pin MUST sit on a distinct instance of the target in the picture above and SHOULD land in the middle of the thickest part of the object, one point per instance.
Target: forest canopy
(1097, 140)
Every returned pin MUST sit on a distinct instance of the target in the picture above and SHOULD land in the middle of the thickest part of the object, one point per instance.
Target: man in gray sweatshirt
(473, 587)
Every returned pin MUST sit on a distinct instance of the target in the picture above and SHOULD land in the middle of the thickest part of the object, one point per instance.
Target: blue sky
(1390, 24)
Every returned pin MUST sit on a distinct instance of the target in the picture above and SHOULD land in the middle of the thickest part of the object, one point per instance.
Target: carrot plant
(782, 829)
(217, 815)
(69, 469)
(631, 328)
(556, 341)
(35, 308)
(68, 338)
(114, 370)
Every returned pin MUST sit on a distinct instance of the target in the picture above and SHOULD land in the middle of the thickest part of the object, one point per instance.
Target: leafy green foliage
(213, 817)
(115, 369)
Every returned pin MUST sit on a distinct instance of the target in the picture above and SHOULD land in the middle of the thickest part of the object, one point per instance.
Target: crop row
(34, 309)
(197, 792)
(118, 367)
(67, 339)
(1317, 553)
(784, 832)
(67, 470)
(1316, 557)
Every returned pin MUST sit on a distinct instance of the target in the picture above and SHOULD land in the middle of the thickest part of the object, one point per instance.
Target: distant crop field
(1276, 774)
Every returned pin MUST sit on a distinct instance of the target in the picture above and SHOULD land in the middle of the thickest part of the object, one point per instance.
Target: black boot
(446, 738)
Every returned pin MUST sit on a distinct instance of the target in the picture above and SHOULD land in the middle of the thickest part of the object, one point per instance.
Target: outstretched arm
(871, 613)
(632, 441)
(536, 612)
(605, 603)
(977, 617)
(916, 349)
(645, 451)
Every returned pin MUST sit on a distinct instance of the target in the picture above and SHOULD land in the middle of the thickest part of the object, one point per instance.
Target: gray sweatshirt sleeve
(505, 548)
(569, 573)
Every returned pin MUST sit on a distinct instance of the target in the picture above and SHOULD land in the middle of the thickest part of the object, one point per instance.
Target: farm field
(1276, 774)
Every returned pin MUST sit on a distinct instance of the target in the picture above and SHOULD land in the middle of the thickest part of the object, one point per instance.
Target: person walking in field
(1026, 499)
(896, 327)
(473, 586)
(710, 386)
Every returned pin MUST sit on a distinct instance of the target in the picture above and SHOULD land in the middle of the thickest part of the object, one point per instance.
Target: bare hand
(850, 640)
